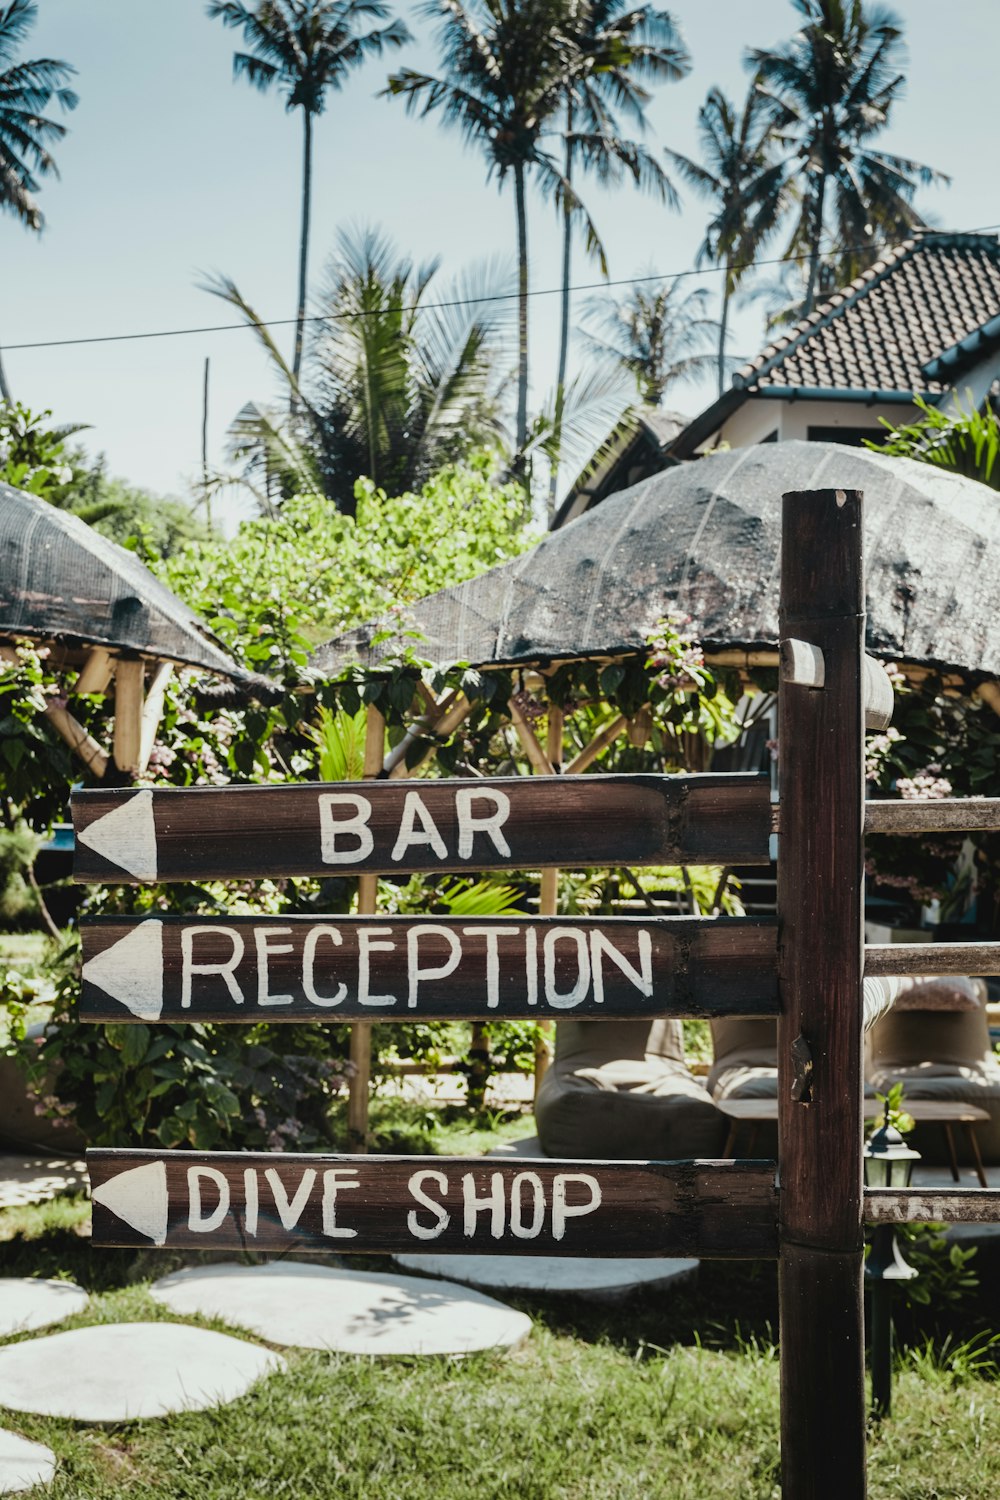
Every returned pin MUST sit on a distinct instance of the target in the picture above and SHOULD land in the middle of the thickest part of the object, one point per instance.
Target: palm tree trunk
(563, 326)
(724, 322)
(817, 235)
(522, 315)
(303, 240)
(5, 394)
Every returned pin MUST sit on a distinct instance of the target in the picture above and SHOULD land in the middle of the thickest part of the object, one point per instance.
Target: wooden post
(361, 1031)
(820, 864)
(549, 890)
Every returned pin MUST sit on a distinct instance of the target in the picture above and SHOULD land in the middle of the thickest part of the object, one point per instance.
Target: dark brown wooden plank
(251, 969)
(932, 1205)
(821, 1302)
(950, 815)
(932, 958)
(277, 1202)
(820, 871)
(328, 828)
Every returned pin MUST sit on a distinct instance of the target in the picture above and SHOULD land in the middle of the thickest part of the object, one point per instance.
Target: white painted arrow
(139, 1198)
(126, 836)
(131, 971)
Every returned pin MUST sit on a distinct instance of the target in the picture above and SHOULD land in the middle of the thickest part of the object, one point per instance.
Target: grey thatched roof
(62, 581)
(704, 537)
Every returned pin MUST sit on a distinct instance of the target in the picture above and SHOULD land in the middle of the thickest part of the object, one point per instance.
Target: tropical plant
(657, 331)
(623, 49)
(34, 457)
(400, 379)
(832, 89)
(507, 67)
(26, 89)
(305, 48)
(747, 185)
(961, 439)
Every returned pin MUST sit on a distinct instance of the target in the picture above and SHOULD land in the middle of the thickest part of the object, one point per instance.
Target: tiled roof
(878, 333)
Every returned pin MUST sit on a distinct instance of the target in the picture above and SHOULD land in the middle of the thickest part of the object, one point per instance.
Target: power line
(552, 291)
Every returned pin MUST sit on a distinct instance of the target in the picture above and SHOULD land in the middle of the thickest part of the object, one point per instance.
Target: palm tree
(506, 68)
(306, 47)
(623, 49)
(747, 184)
(832, 88)
(26, 88)
(657, 332)
(394, 384)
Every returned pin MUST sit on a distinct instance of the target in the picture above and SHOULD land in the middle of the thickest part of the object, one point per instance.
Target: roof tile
(878, 333)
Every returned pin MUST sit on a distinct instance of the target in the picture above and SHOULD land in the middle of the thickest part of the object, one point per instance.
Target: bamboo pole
(540, 761)
(95, 674)
(361, 1031)
(79, 741)
(152, 711)
(453, 709)
(600, 742)
(129, 680)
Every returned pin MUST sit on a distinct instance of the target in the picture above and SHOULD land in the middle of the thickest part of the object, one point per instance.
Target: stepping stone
(27, 1303)
(37, 1178)
(23, 1464)
(119, 1372)
(602, 1279)
(355, 1312)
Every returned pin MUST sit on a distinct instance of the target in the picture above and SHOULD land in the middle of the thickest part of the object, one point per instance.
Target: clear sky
(171, 169)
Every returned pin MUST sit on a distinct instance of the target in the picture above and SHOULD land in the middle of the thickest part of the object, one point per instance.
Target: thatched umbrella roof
(62, 581)
(703, 538)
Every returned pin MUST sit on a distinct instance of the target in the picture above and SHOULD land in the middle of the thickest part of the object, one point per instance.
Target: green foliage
(33, 454)
(315, 571)
(402, 376)
(18, 848)
(963, 440)
(892, 1114)
(340, 738)
(942, 742)
(35, 766)
(34, 457)
(944, 1277)
(196, 1086)
(833, 87)
(27, 87)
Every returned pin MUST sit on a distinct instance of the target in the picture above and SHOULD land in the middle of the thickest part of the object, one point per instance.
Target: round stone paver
(119, 1372)
(354, 1312)
(26, 1303)
(604, 1279)
(23, 1464)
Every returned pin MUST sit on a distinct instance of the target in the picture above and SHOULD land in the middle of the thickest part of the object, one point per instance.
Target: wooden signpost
(249, 969)
(278, 1202)
(807, 969)
(387, 827)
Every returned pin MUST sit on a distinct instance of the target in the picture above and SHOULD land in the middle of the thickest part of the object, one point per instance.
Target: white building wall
(759, 416)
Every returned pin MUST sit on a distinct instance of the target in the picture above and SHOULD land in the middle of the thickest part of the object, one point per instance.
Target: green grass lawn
(667, 1395)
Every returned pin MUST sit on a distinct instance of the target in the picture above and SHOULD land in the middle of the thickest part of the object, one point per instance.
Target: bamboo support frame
(129, 681)
(83, 744)
(96, 673)
(152, 711)
(599, 743)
